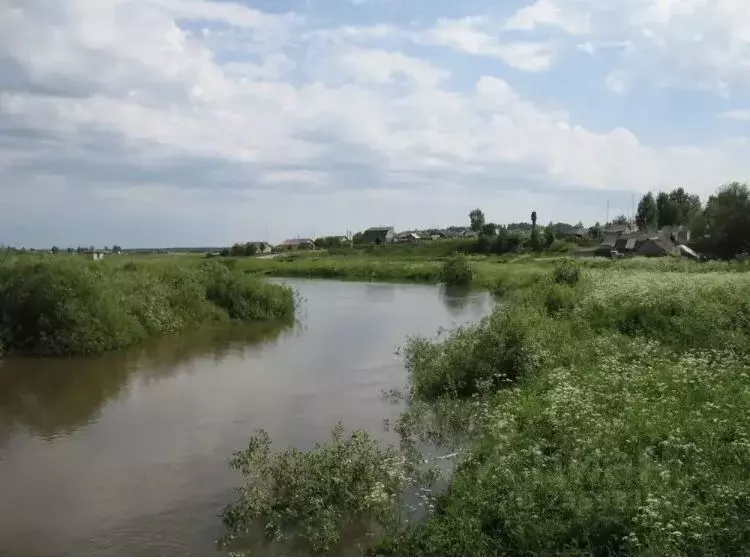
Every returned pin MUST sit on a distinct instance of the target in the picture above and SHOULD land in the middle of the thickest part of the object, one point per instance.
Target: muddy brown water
(127, 453)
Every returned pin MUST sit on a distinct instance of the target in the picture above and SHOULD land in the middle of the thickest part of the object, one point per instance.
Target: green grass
(64, 305)
(605, 405)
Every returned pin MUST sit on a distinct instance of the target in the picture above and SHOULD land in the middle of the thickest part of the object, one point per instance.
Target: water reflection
(458, 300)
(56, 397)
(380, 292)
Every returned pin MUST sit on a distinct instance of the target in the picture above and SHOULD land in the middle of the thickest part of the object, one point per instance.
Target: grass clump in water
(67, 306)
(309, 500)
(474, 359)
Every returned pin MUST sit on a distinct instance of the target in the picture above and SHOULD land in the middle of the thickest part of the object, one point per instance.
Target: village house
(94, 255)
(643, 243)
(657, 246)
(619, 229)
(378, 235)
(407, 237)
(298, 244)
(262, 247)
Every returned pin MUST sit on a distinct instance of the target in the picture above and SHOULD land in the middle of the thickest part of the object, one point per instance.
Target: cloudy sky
(192, 122)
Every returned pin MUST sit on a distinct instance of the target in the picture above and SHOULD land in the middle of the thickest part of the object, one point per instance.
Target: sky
(152, 123)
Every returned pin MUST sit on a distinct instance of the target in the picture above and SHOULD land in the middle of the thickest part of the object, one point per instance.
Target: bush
(566, 273)
(65, 305)
(310, 499)
(457, 271)
(247, 298)
(559, 298)
(473, 359)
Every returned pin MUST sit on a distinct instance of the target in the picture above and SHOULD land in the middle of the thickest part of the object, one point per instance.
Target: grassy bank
(606, 409)
(65, 305)
(489, 272)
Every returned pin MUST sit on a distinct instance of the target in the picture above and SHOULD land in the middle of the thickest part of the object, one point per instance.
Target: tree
(534, 233)
(667, 210)
(687, 205)
(55, 249)
(727, 218)
(620, 220)
(549, 238)
(647, 216)
(251, 249)
(489, 229)
(595, 231)
(477, 220)
(116, 249)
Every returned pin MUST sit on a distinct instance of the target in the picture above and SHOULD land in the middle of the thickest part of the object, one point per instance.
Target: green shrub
(566, 273)
(457, 271)
(473, 359)
(559, 298)
(65, 305)
(310, 499)
(247, 298)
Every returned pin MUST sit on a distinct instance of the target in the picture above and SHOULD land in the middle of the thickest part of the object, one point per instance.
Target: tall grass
(64, 305)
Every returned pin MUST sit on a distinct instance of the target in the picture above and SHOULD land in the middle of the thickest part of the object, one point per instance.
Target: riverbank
(490, 273)
(605, 411)
(64, 305)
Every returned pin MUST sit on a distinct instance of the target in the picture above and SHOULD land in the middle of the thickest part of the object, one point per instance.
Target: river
(127, 453)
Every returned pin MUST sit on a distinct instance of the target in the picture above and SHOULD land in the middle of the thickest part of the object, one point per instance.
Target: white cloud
(736, 115)
(547, 12)
(617, 82)
(681, 43)
(586, 47)
(467, 35)
(383, 67)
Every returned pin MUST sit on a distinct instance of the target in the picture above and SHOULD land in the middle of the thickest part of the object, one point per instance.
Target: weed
(566, 273)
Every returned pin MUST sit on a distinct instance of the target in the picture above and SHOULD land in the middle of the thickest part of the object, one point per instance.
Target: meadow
(64, 305)
(599, 410)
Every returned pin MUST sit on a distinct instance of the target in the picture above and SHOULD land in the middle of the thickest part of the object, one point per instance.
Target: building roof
(663, 243)
(374, 233)
(379, 229)
(299, 241)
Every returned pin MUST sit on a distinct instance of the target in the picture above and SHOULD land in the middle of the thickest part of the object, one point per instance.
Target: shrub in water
(311, 498)
(457, 271)
(478, 358)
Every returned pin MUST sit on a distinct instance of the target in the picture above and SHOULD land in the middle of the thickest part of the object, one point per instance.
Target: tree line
(721, 227)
